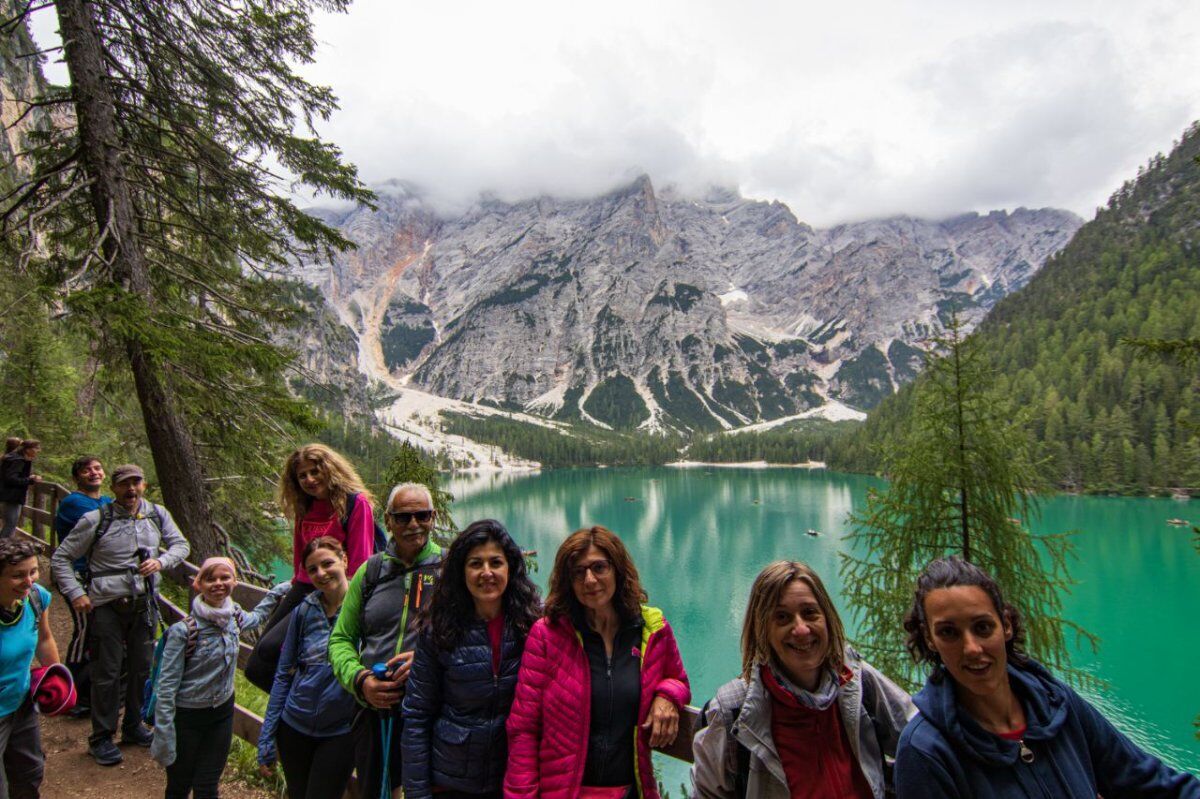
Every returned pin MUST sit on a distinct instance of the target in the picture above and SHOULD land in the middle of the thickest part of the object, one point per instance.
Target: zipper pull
(1026, 752)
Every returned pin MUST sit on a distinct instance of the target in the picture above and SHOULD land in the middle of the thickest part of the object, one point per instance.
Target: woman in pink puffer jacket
(601, 682)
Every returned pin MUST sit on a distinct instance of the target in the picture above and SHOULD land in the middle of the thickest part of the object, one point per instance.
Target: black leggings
(260, 667)
(202, 740)
(315, 768)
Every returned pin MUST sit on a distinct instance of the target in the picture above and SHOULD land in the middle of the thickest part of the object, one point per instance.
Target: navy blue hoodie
(1077, 753)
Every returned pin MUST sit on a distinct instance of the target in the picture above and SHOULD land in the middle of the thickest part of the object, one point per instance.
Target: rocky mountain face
(646, 308)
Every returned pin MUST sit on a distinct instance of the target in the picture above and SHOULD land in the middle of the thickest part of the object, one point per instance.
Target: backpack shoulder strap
(107, 513)
(155, 517)
(728, 703)
(193, 635)
(35, 601)
(351, 501)
(373, 571)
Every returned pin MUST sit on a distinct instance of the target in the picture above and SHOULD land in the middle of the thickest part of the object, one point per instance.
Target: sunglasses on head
(405, 516)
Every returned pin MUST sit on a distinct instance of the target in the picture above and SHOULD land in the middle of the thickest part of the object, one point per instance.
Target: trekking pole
(148, 586)
(380, 672)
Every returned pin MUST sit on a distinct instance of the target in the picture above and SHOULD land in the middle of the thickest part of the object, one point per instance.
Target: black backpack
(381, 536)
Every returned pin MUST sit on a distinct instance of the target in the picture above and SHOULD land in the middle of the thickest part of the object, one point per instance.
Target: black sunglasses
(405, 516)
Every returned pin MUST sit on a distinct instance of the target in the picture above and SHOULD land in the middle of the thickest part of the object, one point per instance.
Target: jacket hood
(1044, 699)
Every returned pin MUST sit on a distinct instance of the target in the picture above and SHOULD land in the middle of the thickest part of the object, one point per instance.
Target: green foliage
(809, 440)
(39, 376)
(1070, 348)
(615, 402)
(581, 445)
(864, 378)
(962, 480)
(411, 465)
(401, 343)
(162, 237)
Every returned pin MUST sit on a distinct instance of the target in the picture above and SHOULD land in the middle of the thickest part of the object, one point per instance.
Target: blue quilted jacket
(454, 713)
(305, 693)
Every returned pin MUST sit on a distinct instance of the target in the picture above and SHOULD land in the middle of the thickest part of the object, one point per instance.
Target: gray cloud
(844, 112)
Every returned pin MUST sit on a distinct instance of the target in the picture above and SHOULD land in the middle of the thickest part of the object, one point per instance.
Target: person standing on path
(378, 625)
(323, 496)
(121, 542)
(309, 716)
(465, 668)
(24, 635)
(16, 475)
(601, 681)
(88, 473)
(193, 696)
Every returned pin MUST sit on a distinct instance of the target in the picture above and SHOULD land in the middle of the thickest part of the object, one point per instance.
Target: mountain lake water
(700, 535)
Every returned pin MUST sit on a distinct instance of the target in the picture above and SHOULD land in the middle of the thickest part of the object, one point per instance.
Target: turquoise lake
(699, 536)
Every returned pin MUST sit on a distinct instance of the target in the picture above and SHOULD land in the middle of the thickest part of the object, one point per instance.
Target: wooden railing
(246, 724)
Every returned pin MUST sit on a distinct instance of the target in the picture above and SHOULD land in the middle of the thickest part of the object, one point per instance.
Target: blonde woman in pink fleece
(322, 495)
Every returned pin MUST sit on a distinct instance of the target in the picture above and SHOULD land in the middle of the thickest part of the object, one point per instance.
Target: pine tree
(154, 213)
(962, 480)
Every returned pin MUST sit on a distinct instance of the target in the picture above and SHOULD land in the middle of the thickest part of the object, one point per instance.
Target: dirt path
(72, 774)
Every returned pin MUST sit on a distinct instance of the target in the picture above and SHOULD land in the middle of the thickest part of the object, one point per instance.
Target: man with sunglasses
(378, 625)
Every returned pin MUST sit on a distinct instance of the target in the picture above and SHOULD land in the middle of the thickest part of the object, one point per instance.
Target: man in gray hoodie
(121, 542)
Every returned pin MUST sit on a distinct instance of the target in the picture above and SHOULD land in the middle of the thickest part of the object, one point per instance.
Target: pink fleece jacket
(548, 724)
(358, 538)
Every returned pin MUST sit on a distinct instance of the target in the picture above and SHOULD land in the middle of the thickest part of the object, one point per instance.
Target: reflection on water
(700, 537)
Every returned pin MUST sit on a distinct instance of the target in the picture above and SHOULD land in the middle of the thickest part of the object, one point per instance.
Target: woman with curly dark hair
(600, 685)
(465, 667)
(993, 722)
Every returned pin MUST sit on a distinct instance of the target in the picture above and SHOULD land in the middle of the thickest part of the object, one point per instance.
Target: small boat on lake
(812, 532)
(1178, 522)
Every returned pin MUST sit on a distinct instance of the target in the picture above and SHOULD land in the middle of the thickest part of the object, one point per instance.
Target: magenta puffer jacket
(548, 724)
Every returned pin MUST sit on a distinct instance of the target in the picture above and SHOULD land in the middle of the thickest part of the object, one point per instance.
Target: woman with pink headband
(193, 714)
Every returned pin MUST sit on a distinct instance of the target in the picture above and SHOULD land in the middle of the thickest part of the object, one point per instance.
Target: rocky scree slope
(645, 308)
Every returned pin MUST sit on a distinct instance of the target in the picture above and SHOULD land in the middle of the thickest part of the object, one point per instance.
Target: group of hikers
(446, 672)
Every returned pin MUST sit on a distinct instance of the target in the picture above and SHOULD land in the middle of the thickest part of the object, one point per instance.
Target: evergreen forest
(1106, 415)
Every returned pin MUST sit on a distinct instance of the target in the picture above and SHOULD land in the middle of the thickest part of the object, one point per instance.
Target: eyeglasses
(403, 517)
(599, 568)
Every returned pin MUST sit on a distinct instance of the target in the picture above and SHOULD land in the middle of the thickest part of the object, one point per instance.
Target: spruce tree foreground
(155, 213)
(961, 481)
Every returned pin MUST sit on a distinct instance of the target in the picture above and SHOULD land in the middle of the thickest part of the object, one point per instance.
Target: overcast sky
(844, 111)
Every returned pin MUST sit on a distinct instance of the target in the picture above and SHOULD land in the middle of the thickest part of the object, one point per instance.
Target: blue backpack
(381, 536)
(149, 692)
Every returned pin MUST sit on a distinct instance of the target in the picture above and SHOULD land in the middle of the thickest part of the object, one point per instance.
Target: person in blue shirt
(88, 473)
(994, 723)
(309, 716)
(24, 635)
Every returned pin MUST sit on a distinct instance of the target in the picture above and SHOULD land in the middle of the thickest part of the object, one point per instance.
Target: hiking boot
(105, 752)
(138, 735)
(79, 712)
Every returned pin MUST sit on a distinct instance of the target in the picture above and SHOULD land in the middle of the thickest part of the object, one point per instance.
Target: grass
(243, 756)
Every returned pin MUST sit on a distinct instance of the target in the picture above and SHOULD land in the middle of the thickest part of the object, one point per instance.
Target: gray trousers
(121, 635)
(24, 761)
(10, 515)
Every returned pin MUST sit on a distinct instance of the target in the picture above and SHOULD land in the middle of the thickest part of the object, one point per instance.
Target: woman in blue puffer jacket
(309, 714)
(993, 723)
(465, 667)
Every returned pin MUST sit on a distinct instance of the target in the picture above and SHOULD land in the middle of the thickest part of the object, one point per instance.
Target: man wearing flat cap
(121, 542)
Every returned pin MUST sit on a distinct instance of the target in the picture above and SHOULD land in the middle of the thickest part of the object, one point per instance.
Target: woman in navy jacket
(995, 724)
(307, 725)
(465, 667)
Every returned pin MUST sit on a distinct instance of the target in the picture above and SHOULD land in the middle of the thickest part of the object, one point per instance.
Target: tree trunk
(175, 459)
